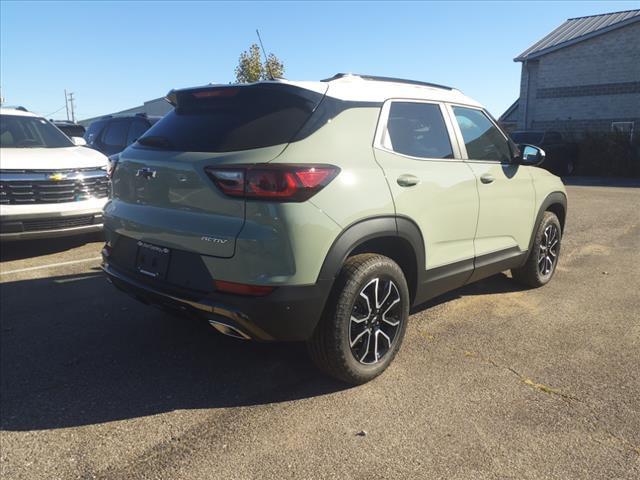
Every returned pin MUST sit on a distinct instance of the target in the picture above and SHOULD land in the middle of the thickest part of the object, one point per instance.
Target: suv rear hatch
(161, 191)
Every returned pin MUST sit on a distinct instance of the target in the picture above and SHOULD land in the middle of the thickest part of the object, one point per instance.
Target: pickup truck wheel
(569, 168)
(543, 258)
(364, 321)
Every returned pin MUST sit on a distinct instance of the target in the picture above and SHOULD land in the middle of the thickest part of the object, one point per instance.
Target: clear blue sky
(115, 55)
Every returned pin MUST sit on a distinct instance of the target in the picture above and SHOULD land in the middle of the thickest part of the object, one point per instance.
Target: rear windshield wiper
(155, 141)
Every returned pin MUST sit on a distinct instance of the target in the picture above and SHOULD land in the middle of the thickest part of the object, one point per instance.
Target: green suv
(322, 211)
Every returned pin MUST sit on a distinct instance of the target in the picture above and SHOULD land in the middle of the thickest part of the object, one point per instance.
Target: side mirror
(79, 141)
(531, 155)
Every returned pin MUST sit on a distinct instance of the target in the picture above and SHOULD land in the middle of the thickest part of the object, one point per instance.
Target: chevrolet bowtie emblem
(56, 177)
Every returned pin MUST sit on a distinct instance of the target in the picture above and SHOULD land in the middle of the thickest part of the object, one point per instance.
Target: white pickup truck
(50, 185)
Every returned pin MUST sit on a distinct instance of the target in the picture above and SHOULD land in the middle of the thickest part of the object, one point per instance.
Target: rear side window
(94, 130)
(116, 134)
(418, 130)
(224, 119)
(481, 137)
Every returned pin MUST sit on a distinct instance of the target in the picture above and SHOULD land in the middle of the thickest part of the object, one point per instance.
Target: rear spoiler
(184, 96)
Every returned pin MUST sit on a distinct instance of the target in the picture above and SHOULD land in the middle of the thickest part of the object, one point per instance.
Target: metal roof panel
(577, 29)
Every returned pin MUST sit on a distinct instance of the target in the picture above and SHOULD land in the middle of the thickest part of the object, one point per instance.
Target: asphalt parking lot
(492, 381)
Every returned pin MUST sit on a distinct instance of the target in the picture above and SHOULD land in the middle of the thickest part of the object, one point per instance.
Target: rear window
(72, 130)
(225, 119)
(137, 128)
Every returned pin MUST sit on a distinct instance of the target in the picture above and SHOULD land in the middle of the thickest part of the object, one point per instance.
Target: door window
(418, 130)
(116, 134)
(481, 137)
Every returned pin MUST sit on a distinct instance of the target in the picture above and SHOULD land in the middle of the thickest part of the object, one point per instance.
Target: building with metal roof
(157, 107)
(583, 76)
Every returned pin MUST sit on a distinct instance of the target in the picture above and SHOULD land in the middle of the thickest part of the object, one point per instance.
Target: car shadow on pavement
(22, 249)
(75, 351)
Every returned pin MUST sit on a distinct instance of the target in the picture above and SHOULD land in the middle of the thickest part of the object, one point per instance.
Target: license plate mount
(152, 260)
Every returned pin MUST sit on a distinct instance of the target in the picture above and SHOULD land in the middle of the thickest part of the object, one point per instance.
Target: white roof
(15, 111)
(363, 89)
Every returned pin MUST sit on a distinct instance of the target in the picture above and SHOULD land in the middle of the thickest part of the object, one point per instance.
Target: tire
(540, 265)
(569, 168)
(340, 345)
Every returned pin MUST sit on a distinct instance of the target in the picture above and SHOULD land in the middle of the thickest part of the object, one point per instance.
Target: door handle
(408, 180)
(487, 178)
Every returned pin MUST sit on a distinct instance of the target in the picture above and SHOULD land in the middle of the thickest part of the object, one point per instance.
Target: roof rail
(141, 114)
(16, 107)
(387, 79)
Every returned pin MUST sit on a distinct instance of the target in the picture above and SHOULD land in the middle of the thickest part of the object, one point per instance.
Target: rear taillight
(277, 182)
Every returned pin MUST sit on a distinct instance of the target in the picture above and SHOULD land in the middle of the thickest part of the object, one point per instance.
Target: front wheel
(543, 257)
(364, 324)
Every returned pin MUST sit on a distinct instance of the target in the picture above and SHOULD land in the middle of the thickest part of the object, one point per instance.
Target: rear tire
(543, 257)
(364, 322)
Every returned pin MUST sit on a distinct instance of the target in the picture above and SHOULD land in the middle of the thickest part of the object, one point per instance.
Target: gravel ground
(493, 381)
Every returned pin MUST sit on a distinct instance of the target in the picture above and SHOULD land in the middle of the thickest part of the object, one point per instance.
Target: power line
(53, 113)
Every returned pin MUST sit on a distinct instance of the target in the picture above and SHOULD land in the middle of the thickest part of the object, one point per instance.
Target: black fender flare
(367, 229)
(555, 198)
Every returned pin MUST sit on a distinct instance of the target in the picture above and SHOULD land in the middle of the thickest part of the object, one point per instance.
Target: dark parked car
(560, 154)
(111, 135)
(70, 129)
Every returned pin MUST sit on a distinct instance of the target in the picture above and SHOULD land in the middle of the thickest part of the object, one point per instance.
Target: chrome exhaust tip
(229, 330)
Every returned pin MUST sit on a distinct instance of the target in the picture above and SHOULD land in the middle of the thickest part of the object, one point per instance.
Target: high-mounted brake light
(276, 182)
(217, 92)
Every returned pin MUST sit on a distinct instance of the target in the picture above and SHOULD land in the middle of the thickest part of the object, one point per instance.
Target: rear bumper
(287, 314)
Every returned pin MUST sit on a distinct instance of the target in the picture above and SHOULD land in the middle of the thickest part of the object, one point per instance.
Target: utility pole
(73, 116)
(66, 103)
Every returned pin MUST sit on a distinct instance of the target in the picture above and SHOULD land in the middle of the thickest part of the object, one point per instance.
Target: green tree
(273, 68)
(251, 68)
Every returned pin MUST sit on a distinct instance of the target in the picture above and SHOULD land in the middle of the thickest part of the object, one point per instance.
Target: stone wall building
(583, 76)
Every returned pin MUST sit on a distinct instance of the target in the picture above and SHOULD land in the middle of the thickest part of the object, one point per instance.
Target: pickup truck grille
(55, 186)
(57, 223)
